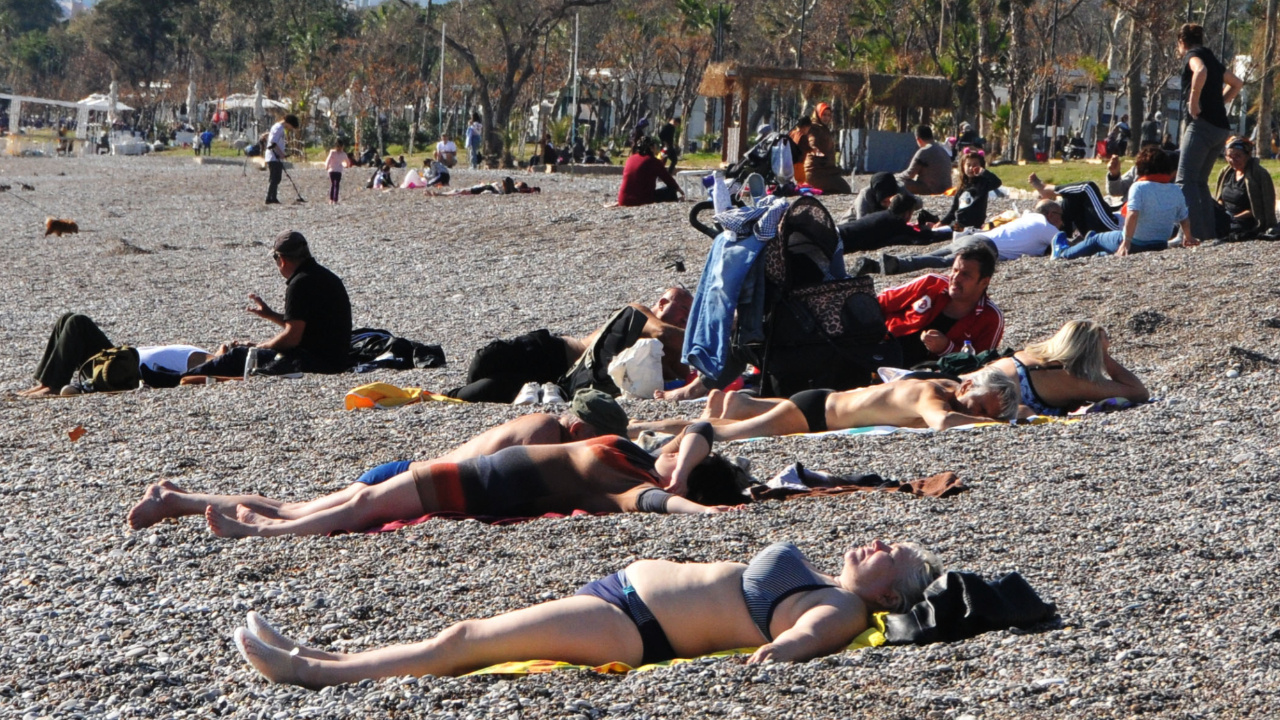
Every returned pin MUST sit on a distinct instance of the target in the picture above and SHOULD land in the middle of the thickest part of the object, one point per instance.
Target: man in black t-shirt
(315, 327)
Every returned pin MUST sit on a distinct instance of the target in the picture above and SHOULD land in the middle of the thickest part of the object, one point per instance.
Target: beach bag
(637, 370)
(111, 370)
(592, 369)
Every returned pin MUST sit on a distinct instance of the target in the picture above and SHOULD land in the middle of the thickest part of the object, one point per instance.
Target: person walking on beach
(274, 155)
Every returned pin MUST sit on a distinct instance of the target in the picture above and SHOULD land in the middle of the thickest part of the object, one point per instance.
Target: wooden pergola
(734, 82)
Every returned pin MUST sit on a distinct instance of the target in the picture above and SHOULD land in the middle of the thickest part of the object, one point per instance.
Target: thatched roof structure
(723, 80)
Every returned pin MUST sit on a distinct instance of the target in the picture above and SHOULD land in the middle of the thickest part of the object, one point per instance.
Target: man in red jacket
(934, 315)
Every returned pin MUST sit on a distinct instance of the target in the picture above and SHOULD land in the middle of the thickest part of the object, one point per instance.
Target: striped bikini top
(774, 574)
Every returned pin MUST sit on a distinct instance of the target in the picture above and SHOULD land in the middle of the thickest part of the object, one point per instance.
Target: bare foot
(691, 391)
(263, 630)
(38, 392)
(275, 664)
(32, 390)
(226, 527)
(249, 517)
(1040, 187)
(157, 503)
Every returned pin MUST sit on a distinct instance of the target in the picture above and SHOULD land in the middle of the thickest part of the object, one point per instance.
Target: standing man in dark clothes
(274, 155)
(669, 136)
(315, 327)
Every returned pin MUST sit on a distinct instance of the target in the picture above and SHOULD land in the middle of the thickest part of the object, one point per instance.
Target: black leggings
(335, 181)
(499, 369)
(813, 405)
(1084, 210)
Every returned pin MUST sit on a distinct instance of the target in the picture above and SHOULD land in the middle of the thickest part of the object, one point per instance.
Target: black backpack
(592, 369)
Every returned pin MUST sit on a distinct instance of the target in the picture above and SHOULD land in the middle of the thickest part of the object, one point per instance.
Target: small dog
(60, 227)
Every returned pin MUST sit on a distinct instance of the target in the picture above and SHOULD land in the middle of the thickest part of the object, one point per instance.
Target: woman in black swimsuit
(653, 610)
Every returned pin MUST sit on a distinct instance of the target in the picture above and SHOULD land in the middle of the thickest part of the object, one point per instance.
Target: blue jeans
(1202, 144)
(1108, 243)
(707, 338)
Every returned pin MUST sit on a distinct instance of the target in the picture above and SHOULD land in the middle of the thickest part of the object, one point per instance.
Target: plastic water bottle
(251, 363)
(720, 199)
(968, 349)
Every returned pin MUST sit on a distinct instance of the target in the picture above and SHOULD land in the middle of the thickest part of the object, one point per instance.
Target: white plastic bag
(783, 167)
(637, 371)
(413, 180)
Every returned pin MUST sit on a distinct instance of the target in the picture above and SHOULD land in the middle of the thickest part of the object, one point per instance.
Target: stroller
(765, 159)
(813, 332)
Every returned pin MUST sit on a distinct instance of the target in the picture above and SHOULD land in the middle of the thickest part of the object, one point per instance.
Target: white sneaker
(552, 395)
(530, 394)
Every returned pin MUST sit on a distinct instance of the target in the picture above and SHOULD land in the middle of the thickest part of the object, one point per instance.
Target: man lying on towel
(593, 414)
(912, 402)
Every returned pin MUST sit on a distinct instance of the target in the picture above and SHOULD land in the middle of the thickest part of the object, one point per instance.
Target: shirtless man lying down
(935, 403)
(593, 414)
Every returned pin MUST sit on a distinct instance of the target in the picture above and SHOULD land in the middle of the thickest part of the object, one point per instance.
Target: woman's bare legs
(582, 630)
(395, 499)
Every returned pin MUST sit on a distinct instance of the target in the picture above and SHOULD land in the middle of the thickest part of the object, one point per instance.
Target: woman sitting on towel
(654, 610)
(1068, 370)
(604, 474)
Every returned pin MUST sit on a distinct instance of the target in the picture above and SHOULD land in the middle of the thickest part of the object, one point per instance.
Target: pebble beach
(1154, 530)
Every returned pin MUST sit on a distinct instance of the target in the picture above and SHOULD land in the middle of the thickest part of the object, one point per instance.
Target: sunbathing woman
(601, 475)
(654, 610)
(1068, 370)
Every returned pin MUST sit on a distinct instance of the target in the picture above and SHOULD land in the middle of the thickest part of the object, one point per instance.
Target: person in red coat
(935, 314)
(640, 176)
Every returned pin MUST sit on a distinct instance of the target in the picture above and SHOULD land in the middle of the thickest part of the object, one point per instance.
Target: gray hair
(1047, 206)
(910, 585)
(991, 380)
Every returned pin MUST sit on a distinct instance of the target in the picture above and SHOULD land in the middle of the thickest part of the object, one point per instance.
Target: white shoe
(530, 394)
(552, 395)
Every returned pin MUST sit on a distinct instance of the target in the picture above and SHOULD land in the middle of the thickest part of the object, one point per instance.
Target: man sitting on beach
(935, 315)
(315, 327)
(1030, 234)
(447, 151)
(501, 368)
(911, 402)
(930, 170)
(592, 414)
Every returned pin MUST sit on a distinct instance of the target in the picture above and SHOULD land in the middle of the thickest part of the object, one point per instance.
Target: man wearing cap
(315, 327)
(592, 414)
(930, 170)
(274, 152)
